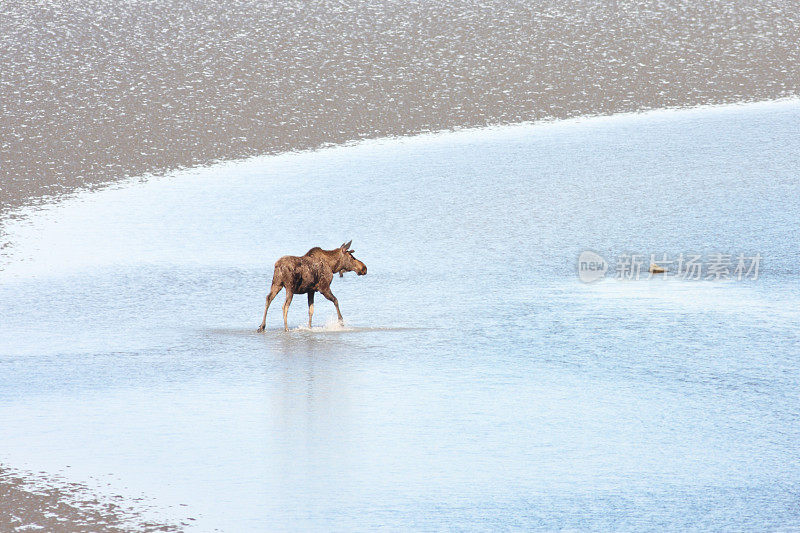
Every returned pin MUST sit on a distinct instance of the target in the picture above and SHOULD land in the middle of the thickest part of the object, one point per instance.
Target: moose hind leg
(329, 295)
(310, 307)
(286, 305)
(273, 292)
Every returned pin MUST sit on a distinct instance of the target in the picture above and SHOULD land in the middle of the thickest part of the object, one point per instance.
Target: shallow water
(477, 382)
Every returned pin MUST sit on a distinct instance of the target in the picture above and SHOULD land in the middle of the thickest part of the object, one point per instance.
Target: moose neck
(338, 264)
(334, 259)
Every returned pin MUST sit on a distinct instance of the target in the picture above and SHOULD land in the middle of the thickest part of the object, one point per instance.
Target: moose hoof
(260, 329)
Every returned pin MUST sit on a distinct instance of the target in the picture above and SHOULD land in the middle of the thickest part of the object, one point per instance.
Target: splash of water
(332, 324)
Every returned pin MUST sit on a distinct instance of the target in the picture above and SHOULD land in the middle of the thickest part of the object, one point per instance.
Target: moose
(310, 274)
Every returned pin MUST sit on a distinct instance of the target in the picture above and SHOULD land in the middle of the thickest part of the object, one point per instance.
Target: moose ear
(346, 245)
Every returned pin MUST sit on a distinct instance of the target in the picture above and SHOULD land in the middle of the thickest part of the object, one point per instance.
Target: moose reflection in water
(310, 274)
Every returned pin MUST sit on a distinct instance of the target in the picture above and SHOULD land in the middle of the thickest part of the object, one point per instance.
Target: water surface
(477, 383)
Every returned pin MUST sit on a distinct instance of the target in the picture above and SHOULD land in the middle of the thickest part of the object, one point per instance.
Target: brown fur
(310, 274)
(331, 256)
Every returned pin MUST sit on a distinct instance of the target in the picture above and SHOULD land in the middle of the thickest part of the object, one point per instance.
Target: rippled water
(477, 383)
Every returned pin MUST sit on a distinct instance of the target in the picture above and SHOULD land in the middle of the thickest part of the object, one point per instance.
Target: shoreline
(11, 206)
(23, 212)
(34, 502)
(30, 205)
(187, 85)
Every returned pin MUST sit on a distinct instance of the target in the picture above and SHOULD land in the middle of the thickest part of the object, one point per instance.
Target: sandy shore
(34, 503)
(94, 91)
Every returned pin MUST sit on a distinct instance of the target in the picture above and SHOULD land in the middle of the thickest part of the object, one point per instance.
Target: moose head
(348, 262)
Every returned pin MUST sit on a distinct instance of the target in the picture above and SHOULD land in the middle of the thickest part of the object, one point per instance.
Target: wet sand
(95, 91)
(34, 503)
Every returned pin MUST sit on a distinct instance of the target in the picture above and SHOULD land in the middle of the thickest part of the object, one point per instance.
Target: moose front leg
(329, 295)
(273, 292)
(310, 307)
(286, 305)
